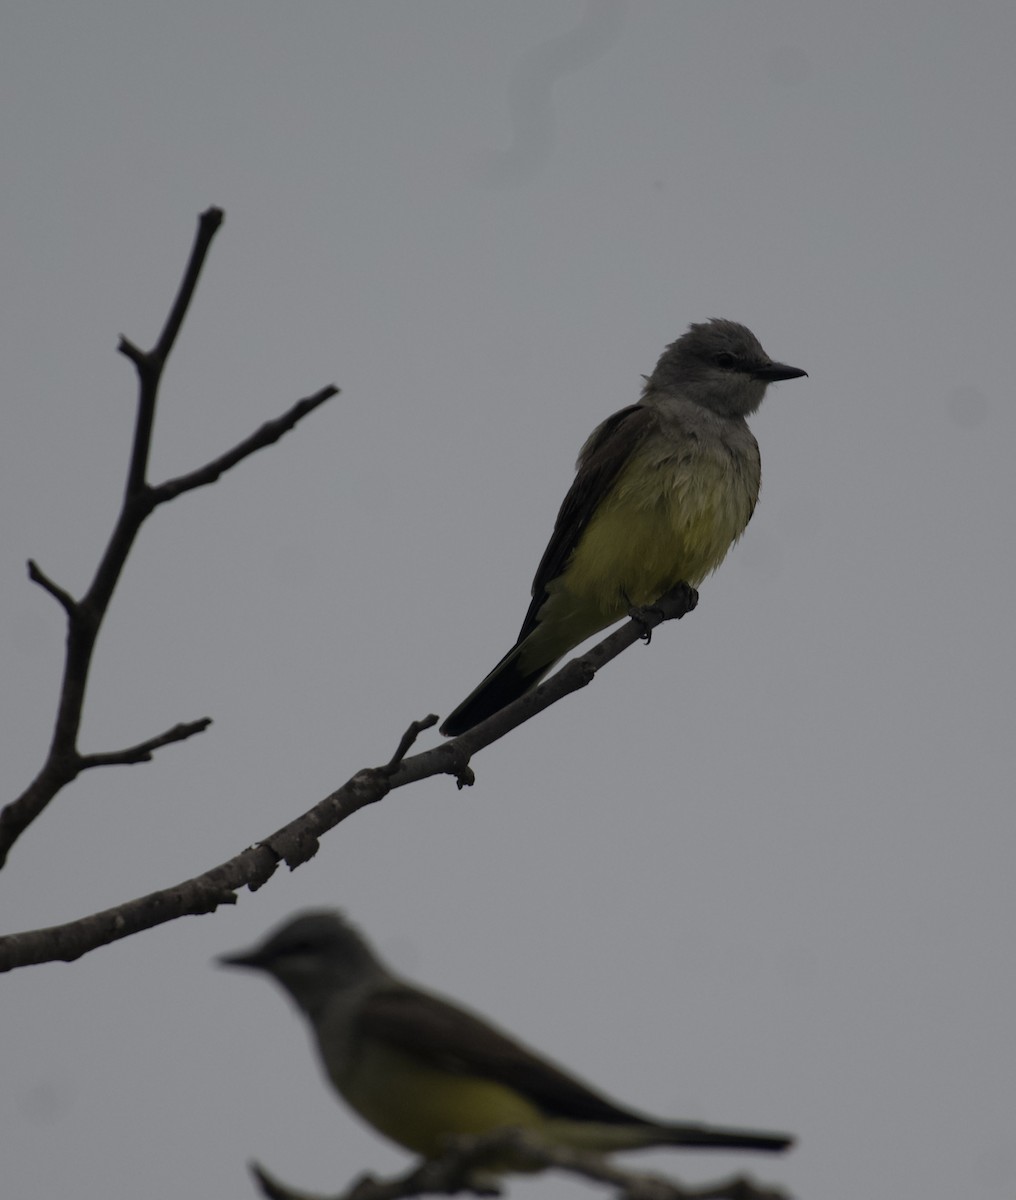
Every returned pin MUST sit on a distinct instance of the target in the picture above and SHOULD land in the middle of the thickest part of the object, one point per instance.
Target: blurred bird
(662, 490)
(422, 1070)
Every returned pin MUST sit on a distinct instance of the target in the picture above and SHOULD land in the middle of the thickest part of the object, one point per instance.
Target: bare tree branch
(297, 842)
(63, 761)
(464, 1167)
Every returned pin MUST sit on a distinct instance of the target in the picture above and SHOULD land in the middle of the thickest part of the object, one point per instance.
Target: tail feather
(706, 1136)
(505, 683)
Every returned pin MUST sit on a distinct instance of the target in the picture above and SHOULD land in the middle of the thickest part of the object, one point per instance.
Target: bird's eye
(725, 359)
(297, 949)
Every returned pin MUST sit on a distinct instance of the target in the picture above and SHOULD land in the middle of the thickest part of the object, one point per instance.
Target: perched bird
(421, 1070)
(662, 490)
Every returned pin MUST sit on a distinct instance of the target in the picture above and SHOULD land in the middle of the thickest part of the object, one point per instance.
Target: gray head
(720, 365)
(313, 955)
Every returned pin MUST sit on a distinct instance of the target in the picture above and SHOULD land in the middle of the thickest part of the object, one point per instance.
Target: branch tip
(127, 348)
(408, 738)
(66, 601)
(212, 218)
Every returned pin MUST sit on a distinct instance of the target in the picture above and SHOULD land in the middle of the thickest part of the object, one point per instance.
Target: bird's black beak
(770, 372)
(243, 958)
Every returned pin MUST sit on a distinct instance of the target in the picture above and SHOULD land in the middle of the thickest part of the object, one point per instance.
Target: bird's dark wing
(599, 464)
(454, 1040)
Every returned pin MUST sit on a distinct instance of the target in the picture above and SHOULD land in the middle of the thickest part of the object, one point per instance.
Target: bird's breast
(671, 516)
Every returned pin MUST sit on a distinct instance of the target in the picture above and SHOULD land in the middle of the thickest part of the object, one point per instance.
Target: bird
(662, 490)
(421, 1069)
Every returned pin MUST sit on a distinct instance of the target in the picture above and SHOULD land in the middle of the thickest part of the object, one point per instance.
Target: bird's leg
(638, 613)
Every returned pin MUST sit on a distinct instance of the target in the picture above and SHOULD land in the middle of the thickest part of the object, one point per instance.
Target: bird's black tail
(704, 1137)
(504, 684)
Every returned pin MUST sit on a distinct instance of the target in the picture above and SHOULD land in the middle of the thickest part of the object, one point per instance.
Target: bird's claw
(640, 614)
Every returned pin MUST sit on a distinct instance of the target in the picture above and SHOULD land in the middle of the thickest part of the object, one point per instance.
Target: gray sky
(761, 872)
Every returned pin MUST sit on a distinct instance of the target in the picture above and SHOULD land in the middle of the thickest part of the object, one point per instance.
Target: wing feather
(604, 454)
(453, 1039)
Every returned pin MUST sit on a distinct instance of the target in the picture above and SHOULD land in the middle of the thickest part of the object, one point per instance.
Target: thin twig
(64, 599)
(267, 435)
(408, 740)
(142, 752)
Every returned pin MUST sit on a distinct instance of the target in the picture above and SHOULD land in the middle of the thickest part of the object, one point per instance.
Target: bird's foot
(642, 614)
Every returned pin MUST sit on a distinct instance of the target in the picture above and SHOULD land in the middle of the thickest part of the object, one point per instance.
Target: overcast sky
(761, 872)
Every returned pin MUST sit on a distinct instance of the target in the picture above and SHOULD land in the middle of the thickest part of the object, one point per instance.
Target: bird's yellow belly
(419, 1106)
(664, 523)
